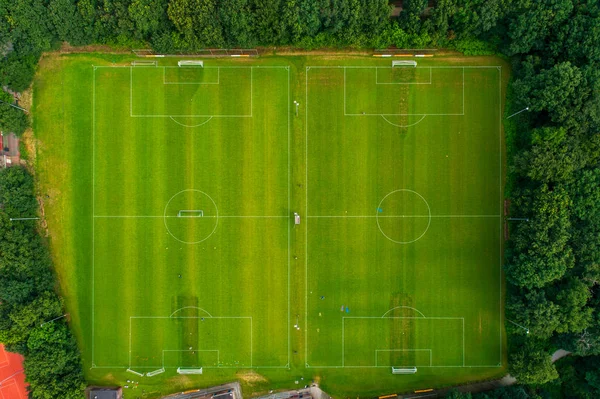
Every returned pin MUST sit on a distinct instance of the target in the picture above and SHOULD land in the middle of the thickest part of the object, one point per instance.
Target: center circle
(403, 216)
(191, 216)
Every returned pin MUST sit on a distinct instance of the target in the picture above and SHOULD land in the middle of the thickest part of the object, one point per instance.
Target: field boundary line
(219, 217)
(400, 216)
(381, 367)
(463, 91)
(389, 67)
(93, 207)
(205, 67)
(289, 182)
(405, 350)
(207, 367)
(392, 83)
(306, 211)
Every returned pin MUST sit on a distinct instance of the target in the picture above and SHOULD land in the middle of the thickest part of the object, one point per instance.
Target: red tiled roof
(12, 378)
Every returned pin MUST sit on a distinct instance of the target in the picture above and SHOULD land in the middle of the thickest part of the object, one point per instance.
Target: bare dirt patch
(251, 378)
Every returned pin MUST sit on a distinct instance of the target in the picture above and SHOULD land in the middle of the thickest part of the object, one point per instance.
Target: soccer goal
(181, 370)
(404, 64)
(194, 63)
(135, 372)
(144, 63)
(155, 372)
(404, 370)
(190, 213)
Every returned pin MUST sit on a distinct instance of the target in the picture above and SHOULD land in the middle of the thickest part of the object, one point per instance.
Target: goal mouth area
(190, 213)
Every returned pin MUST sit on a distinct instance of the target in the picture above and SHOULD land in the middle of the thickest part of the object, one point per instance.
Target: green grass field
(170, 201)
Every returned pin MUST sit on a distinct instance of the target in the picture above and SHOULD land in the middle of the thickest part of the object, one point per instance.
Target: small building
(104, 393)
(296, 218)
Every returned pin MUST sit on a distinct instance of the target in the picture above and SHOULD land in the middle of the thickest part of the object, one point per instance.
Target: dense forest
(28, 301)
(552, 259)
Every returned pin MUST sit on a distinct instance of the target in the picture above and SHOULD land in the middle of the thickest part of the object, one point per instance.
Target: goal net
(191, 63)
(404, 370)
(190, 213)
(181, 370)
(404, 64)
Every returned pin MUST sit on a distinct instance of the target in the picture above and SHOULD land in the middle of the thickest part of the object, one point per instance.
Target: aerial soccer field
(173, 194)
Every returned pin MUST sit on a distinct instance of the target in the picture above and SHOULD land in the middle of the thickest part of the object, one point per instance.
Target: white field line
(389, 67)
(191, 116)
(404, 350)
(343, 342)
(410, 114)
(289, 348)
(152, 216)
(489, 216)
(121, 366)
(306, 212)
(410, 83)
(199, 217)
(397, 125)
(205, 67)
(420, 114)
(130, 91)
(345, 112)
(463, 91)
(400, 216)
(404, 307)
(129, 342)
(184, 125)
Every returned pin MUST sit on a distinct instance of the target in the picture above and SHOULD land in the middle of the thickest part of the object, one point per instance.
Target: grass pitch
(171, 194)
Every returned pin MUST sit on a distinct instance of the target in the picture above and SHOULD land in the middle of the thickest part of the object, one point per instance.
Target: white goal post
(404, 370)
(190, 213)
(181, 370)
(191, 63)
(404, 63)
